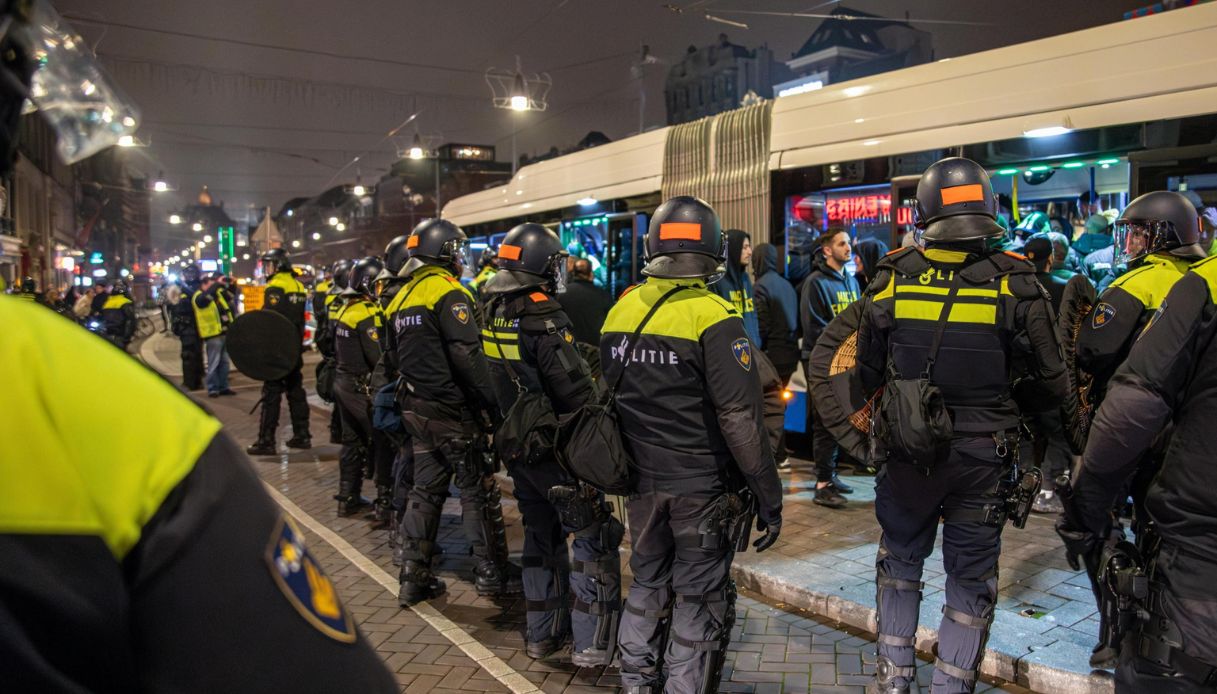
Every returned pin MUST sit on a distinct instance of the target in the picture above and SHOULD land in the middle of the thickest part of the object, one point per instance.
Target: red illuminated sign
(864, 207)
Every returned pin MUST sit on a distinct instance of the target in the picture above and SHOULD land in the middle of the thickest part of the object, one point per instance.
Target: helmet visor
(559, 271)
(1137, 238)
(460, 252)
(86, 110)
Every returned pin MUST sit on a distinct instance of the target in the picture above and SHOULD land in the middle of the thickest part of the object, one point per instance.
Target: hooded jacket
(777, 310)
(736, 285)
(826, 292)
(868, 253)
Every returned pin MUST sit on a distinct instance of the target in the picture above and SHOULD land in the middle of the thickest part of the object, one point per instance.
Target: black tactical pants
(681, 604)
(445, 454)
(909, 504)
(291, 385)
(1050, 450)
(192, 363)
(361, 443)
(549, 577)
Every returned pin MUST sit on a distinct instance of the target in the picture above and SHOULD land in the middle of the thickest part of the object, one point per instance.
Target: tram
(1108, 112)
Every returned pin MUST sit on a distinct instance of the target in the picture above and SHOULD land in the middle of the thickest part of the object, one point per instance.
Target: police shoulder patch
(742, 350)
(374, 334)
(461, 312)
(303, 582)
(1103, 313)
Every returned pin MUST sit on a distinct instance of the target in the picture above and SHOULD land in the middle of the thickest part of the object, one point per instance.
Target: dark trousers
(909, 504)
(291, 385)
(1050, 450)
(680, 594)
(192, 363)
(361, 442)
(549, 578)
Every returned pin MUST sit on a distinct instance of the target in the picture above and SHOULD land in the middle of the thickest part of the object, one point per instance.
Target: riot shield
(1078, 409)
(835, 384)
(263, 345)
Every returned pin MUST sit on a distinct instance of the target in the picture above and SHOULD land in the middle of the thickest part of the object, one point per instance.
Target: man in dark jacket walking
(584, 303)
(777, 314)
(828, 290)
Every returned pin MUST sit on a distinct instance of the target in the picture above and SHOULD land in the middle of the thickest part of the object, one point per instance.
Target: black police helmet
(190, 274)
(685, 241)
(489, 258)
(28, 285)
(395, 254)
(529, 256)
(276, 260)
(1159, 222)
(363, 275)
(435, 242)
(119, 287)
(955, 203)
(342, 273)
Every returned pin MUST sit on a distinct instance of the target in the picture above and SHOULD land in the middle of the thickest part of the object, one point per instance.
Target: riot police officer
(356, 331)
(388, 284)
(185, 327)
(326, 310)
(958, 316)
(285, 295)
(448, 406)
(28, 290)
(690, 413)
(530, 345)
(488, 265)
(1153, 237)
(118, 316)
(1170, 376)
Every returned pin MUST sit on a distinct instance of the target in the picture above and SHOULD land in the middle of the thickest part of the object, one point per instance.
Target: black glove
(1079, 543)
(771, 530)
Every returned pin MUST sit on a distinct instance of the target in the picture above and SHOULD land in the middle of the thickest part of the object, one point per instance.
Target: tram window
(612, 246)
(864, 212)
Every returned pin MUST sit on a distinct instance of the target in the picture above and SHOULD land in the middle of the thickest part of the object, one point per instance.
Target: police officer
(357, 330)
(1170, 376)
(529, 342)
(123, 552)
(448, 406)
(326, 308)
(185, 326)
(212, 314)
(285, 295)
(690, 413)
(983, 312)
(1155, 238)
(28, 291)
(488, 266)
(118, 316)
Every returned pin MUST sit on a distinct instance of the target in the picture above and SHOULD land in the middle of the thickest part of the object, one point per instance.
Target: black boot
(262, 447)
(382, 508)
(498, 580)
(544, 648)
(304, 442)
(418, 584)
(350, 501)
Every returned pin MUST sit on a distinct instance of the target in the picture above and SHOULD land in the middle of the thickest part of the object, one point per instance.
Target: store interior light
(175, 219)
(1050, 131)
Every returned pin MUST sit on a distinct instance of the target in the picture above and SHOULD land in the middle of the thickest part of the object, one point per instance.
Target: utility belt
(728, 522)
(1015, 491)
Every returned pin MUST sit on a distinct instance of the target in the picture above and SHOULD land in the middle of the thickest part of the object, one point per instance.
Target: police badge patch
(742, 349)
(1103, 313)
(299, 575)
(461, 312)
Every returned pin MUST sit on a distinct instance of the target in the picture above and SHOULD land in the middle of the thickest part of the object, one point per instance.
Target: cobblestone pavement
(774, 648)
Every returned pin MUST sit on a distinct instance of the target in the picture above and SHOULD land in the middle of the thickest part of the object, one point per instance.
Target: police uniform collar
(668, 283)
(510, 281)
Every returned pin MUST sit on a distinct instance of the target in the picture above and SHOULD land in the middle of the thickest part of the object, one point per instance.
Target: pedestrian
(689, 408)
(185, 326)
(1157, 255)
(171, 293)
(138, 533)
(1096, 235)
(101, 292)
(83, 305)
(210, 308)
(777, 309)
(357, 350)
(285, 295)
(1168, 380)
(867, 254)
(450, 410)
(529, 342)
(940, 330)
(585, 304)
(827, 291)
(735, 285)
(118, 316)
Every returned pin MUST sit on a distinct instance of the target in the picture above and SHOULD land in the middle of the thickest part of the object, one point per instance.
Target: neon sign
(865, 207)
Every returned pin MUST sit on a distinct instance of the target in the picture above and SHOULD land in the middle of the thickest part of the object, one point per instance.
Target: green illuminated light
(1108, 161)
(1073, 165)
(1037, 169)
(1006, 172)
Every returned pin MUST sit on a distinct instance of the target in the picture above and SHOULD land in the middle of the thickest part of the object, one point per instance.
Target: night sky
(260, 126)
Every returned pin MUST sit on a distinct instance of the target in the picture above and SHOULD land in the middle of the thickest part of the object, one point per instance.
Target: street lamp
(340, 226)
(207, 238)
(519, 94)
(296, 243)
(416, 148)
(317, 235)
(175, 219)
(333, 221)
(160, 186)
(197, 226)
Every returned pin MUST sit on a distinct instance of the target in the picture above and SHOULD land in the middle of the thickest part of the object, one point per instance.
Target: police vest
(208, 318)
(358, 320)
(972, 368)
(115, 301)
(1152, 281)
(482, 277)
(286, 295)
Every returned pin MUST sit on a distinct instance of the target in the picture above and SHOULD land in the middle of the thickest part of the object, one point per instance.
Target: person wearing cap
(1096, 235)
(688, 402)
(965, 317)
(1157, 237)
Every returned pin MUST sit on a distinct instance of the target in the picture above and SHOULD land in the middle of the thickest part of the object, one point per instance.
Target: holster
(728, 522)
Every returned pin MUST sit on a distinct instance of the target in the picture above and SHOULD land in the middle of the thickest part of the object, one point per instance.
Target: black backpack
(529, 427)
(912, 419)
(589, 440)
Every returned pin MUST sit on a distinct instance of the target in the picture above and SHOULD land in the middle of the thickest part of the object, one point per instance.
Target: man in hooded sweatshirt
(777, 313)
(735, 285)
(828, 290)
(867, 254)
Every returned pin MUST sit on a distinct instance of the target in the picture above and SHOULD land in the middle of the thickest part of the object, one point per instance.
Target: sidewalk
(825, 563)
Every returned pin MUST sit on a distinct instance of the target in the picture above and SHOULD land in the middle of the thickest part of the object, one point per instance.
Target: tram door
(612, 243)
